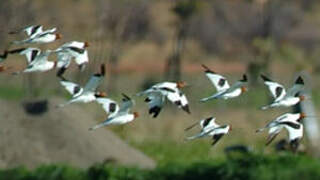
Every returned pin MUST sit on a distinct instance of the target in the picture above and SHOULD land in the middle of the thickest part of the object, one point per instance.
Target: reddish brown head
(58, 36)
(303, 115)
(243, 89)
(101, 94)
(135, 114)
(230, 127)
(302, 98)
(181, 84)
(86, 44)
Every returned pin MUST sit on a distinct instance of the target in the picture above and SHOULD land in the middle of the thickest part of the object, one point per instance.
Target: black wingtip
(186, 109)
(244, 78)
(299, 81)
(207, 69)
(125, 97)
(155, 111)
(265, 78)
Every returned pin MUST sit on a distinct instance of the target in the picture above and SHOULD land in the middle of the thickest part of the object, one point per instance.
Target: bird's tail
(260, 130)
(97, 126)
(265, 107)
(208, 98)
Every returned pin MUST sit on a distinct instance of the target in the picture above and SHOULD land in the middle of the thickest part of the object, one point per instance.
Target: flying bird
(39, 63)
(32, 30)
(210, 128)
(159, 93)
(224, 90)
(85, 94)
(72, 50)
(116, 115)
(289, 121)
(281, 97)
(47, 36)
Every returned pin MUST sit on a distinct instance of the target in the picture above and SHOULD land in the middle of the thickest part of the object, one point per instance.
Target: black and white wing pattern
(95, 80)
(205, 124)
(277, 90)
(155, 101)
(31, 31)
(126, 105)
(178, 98)
(219, 82)
(237, 84)
(73, 88)
(110, 106)
(296, 88)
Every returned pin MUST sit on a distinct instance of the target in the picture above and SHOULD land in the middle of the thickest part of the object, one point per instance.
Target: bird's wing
(294, 131)
(126, 105)
(208, 123)
(82, 58)
(296, 88)
(178, 98)
(31, 54)
(73, 88)
(237, 84)
(95, 80)
(110, 106)
(216, 138)
(155, 101)
(219, 82)
(64, 60)
(273, 132)
(277, 90)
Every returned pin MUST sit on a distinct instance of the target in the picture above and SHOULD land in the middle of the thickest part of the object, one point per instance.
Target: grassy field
(237, 166)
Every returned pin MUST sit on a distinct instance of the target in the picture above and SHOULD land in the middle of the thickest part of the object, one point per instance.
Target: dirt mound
(59, 136)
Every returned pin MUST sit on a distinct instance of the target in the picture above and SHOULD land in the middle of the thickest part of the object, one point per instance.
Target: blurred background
(143, 42)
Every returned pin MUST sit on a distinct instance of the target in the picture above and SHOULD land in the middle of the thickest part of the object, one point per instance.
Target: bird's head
(101, 94)
(302, 98)
(135, 114)
(302, 116)
(181, 84)
(244, 89)
(86, 44)
(230, 127)
(58, 36)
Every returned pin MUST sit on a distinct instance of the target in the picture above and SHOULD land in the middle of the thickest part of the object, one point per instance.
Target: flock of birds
(155, 96)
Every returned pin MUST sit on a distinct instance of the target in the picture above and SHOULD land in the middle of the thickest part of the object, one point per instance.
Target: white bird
(281, 97)
(31, 31)
(290, 121)
(39, 63)
(70, 50)
(224, 91)
(158, 93)
(30, 53)
(85, 94)
(116, 115)
(47, 36)
(210, 128)
(295, 135)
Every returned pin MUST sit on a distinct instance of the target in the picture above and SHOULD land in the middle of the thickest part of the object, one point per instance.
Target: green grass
(242, 166)
(11, 93)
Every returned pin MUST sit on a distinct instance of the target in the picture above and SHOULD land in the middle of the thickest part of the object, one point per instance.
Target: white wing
(277, 90)
(126, 105)
(64, 59)
(296, 88)
(208, 123)
(219, 82)
(179, 99)
(294, 131)
(73, 88)
(110, 106)
(95, 80)
(31, 54)
(155, 101)
(82, 58)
